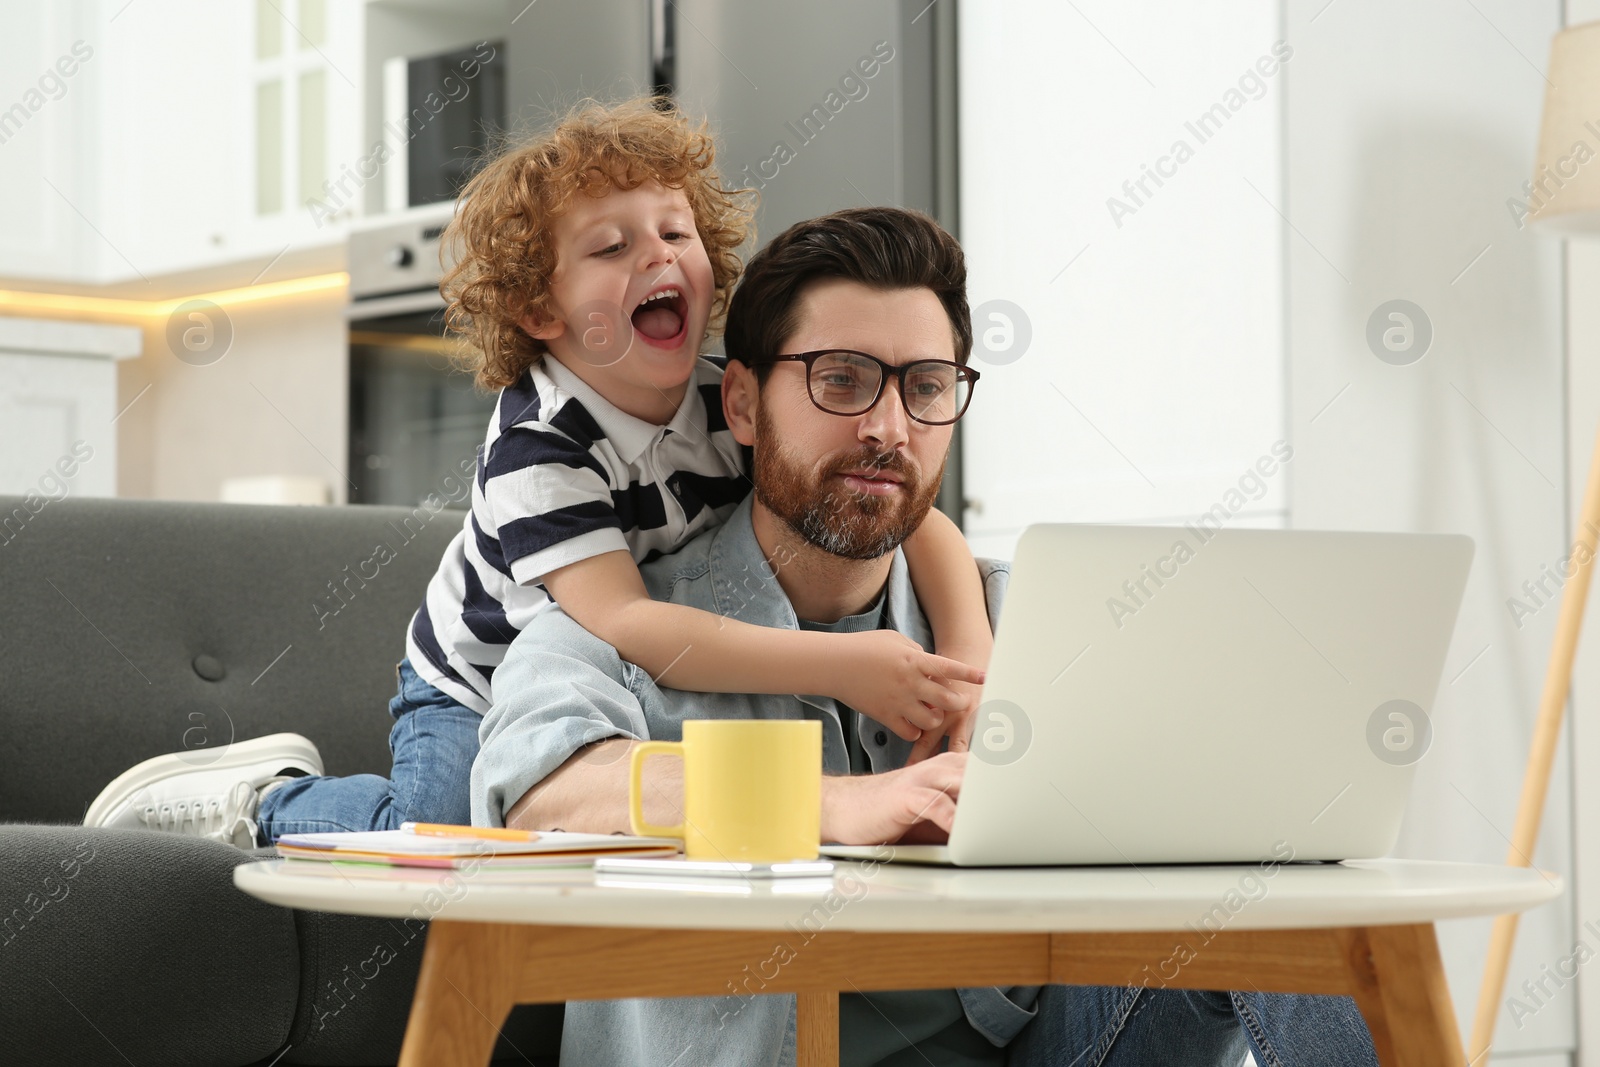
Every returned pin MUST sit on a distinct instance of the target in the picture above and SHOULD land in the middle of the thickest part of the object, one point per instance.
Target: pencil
(438, 829)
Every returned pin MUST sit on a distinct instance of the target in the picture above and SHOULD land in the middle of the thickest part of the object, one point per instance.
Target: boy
(590, 264)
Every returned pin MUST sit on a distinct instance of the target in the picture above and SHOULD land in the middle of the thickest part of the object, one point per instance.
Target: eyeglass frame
(887, 371)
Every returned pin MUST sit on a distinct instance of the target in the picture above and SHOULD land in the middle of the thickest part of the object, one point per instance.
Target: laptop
(1190, 695)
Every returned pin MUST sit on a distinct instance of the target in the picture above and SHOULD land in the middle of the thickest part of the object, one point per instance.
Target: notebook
(402, 848)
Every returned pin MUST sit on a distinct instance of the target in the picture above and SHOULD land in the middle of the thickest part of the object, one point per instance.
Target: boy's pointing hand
(889, 678)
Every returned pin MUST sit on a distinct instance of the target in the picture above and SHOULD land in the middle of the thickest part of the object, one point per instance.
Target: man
(849, 441)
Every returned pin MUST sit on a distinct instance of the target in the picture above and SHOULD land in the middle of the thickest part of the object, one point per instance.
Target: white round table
(498, 938)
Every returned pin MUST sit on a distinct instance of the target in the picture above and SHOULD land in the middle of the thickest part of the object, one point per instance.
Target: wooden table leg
(462, 997)
(472, 973)
(817, 1025)
(1405, 999)
(1393, 973)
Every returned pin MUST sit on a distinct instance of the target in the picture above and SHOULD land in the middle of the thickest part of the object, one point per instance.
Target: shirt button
(882, 738)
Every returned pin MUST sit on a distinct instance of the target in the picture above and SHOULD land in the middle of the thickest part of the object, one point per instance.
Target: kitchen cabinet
(58, 391)
(43, 116)
(166, 136)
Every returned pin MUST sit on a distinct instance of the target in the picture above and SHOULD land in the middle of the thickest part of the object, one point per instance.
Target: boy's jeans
(433, 741)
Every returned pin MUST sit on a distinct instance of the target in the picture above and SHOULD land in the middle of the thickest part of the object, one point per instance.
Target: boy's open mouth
(662, 315)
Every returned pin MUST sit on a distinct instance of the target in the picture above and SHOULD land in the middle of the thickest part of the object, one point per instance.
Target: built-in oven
(416, 419)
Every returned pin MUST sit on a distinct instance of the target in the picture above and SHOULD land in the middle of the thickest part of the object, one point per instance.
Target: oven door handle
(377, 307)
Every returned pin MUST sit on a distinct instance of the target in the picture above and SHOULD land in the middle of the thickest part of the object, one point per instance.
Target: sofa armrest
(121, 946)
(358, 976)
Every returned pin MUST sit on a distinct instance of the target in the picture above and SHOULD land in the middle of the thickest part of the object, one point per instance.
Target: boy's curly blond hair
(501, 242)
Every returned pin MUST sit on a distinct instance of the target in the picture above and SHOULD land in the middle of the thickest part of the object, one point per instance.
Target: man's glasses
(935, 392)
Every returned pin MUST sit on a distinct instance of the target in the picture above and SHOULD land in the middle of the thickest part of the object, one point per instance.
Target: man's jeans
(433, 741)
(1073, 1026)
(1103, 1026)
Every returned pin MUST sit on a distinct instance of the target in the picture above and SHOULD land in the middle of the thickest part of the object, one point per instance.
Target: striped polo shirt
(562, 476)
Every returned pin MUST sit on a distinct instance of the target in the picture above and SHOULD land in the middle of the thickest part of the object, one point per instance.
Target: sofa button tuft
(210, 668)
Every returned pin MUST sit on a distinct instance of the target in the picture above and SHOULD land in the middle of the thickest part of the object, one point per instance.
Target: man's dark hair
(880, 247)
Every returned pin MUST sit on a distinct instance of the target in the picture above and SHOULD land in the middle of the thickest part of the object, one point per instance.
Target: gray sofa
(129, 629)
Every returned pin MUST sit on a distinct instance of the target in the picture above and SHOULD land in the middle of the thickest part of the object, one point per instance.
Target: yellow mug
(752, 789)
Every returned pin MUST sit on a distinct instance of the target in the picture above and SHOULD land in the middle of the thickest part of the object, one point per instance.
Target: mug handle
(642, 751)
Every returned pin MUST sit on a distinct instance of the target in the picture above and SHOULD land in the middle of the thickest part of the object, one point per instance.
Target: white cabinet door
(170, 136)
(56, 437)
(46, 120)
(58, 391)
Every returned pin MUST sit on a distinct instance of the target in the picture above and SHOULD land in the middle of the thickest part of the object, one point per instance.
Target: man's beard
(829, 515)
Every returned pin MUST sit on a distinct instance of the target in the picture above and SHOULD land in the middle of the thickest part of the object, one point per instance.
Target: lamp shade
(1564, 195)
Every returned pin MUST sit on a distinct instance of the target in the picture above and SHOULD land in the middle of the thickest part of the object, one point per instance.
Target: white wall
(1209, 324)
(1583, 430)
(1154, 378)
(1407, 128)
(1583, 425)
(276, 404)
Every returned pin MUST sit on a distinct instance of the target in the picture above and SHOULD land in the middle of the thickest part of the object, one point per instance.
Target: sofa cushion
(134, 628)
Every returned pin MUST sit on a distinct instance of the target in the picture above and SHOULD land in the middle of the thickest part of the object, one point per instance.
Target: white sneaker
(216, 801)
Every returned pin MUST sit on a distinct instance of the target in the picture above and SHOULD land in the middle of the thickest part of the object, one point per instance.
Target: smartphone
(684, 868)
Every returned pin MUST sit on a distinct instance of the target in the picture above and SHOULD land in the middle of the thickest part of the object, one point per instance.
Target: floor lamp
(1564, 199)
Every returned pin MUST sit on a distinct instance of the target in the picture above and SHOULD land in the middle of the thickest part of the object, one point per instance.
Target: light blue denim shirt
(561, 688)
